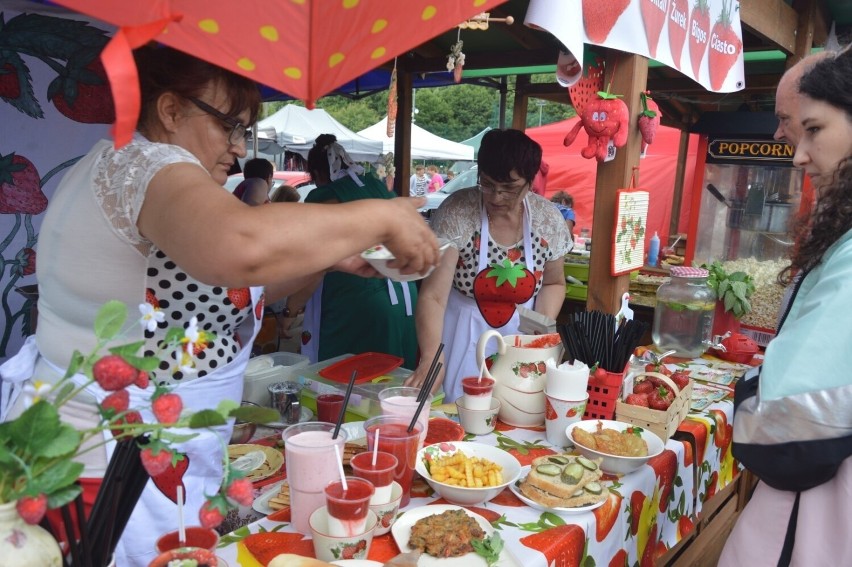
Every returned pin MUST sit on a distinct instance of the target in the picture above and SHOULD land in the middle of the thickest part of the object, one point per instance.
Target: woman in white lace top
(500, 226)
(151, 223)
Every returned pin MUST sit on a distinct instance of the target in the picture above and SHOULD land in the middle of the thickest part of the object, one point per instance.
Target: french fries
(469, 472)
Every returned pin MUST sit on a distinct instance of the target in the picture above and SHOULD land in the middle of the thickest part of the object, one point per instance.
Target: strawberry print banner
(700, 38)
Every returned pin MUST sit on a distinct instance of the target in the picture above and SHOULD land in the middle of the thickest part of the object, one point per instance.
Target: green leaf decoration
(206, 418)
(110, 319)
(507, 273)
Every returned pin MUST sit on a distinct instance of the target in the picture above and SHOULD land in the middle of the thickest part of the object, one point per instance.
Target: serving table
(653, 514)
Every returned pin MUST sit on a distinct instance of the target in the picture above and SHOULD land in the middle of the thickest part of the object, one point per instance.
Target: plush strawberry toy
(649, 120)
(604, 119)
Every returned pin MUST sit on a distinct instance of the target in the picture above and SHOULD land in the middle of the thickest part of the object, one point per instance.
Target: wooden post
(519, 110)
(401, 145)
(627, 74)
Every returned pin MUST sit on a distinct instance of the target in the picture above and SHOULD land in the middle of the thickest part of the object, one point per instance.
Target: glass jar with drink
(683, 317)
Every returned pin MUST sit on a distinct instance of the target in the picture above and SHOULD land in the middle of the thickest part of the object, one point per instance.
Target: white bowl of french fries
(467, 473)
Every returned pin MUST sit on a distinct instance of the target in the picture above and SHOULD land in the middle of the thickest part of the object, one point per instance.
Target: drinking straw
(375, 446)
(340, 468)
(424, 392)
(427, 386)
(345, 403)
(181, 528)
(72, 538)
(481, 370)
(84, 532)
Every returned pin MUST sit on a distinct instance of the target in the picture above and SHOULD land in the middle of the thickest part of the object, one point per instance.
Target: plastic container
(364, 401)
(267, 369)
(683, 317)
(654, 250)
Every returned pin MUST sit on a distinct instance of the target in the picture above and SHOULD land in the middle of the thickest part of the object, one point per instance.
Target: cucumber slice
(572, 473)
(558, 460)
(593, 488)
(578, 493)
(591, 465)
(549, 470)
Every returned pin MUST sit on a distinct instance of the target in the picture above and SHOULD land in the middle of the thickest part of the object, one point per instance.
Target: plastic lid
(689, 272)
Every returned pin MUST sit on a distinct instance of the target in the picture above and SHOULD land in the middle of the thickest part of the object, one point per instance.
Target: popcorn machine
(745, 199)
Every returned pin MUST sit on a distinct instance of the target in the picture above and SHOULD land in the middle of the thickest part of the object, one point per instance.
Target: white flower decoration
(35, 390)
(151, 316)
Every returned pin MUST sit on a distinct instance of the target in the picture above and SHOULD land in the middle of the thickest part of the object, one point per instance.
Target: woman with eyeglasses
(507, 251)
(151, 224)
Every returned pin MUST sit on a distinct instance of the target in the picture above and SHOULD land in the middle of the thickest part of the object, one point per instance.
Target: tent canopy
(474, 141)
(295, 129)
(424, 144)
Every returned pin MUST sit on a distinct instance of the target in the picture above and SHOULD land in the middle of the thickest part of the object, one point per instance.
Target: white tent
(295, 128)
(424, 144)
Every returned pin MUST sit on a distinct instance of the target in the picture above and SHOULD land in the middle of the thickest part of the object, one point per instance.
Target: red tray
(368, 364)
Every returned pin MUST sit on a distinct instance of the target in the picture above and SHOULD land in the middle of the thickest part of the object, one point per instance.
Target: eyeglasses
(239, 131)
(489, 189)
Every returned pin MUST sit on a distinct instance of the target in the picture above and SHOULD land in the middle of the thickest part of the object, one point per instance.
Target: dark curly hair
(829, 81)
(501, 151)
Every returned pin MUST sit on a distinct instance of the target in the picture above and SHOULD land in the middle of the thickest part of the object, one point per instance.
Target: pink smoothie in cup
(380, 474)
(394, 438)
(347, 509)
(477, 393)
(401, 401)
(311, 465)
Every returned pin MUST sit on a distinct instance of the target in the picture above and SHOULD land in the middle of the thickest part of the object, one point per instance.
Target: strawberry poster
(54, 105)
(700, 38)
(631, 216)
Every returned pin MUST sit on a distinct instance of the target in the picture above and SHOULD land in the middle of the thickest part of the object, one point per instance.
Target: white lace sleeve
(550, 226)
(457, 218)
(122, 178)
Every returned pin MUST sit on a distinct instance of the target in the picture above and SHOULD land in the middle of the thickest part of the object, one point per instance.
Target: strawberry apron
(156, 513)
(463, 323)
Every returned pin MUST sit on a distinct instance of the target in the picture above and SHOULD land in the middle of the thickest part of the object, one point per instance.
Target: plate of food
(256, 461)
(548, 491)
(263, 505)
(425, 528)
(623, 447)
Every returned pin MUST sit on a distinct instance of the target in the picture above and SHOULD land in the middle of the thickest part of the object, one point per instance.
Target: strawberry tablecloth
(648, 511)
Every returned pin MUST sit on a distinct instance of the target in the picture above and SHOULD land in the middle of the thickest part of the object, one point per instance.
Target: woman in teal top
(348, 313)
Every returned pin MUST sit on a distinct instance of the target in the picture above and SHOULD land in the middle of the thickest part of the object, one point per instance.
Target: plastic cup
(196, 536)
(394, 438)
(558, 415)
(201, 556)
(477, 393)
(380, 474)
(401, 401)
(311, 466)
(329, 407)
(347, 509)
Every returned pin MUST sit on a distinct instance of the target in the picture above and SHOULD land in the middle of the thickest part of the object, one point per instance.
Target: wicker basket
(663, 423)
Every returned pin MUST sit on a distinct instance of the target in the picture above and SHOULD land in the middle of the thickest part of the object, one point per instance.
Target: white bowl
(613, 463)
(478, 421)
(378, 256)
(386, 513)
(463, 495)
(329, 548)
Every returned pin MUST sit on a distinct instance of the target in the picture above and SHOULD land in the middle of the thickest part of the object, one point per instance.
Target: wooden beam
(771, 20)
(487, 60)
(807, 10)
(519, 110)
(402, 133)
(680, 171)
(628, 74)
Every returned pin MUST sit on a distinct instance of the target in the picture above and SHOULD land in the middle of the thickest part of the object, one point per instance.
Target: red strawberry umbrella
(305, 48)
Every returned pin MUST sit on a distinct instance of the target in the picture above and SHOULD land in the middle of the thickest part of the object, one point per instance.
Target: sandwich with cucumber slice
(564, 481)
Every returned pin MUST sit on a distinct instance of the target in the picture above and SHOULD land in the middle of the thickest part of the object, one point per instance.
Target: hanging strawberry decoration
(649, 119)
(725, 47)
(391, 121)
(584, 90)
(455, 60)
(499, 289)
(604, 119)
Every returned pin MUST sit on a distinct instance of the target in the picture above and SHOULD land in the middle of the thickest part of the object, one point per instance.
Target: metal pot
(775, 217)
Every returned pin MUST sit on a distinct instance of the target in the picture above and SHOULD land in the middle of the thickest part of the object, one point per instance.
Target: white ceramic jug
(519, 374)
